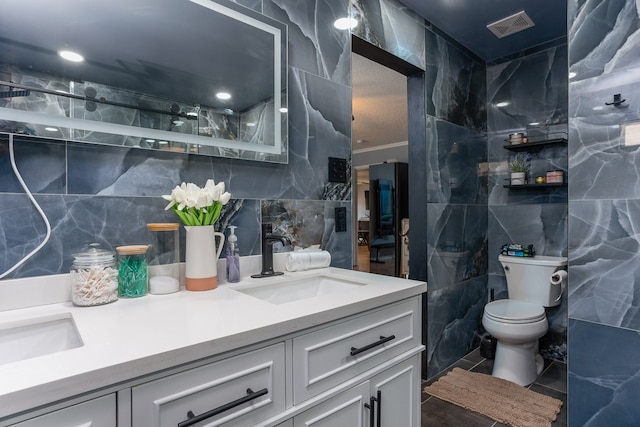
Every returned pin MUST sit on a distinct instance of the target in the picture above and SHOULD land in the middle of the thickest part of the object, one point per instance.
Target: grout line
(477, 364)
(429, 397)
(546, 369)
(550, 388)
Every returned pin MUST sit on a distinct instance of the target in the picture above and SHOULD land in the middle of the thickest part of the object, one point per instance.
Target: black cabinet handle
(379, 410)
(382, 340)
(371, 407)
(193, 419)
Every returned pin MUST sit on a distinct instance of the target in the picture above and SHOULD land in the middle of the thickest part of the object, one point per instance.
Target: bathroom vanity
(325, 347)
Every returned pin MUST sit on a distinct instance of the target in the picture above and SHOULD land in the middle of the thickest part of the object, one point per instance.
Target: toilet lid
(512, 311)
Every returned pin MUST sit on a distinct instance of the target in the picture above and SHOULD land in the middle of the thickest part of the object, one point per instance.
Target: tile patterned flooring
(435, 412)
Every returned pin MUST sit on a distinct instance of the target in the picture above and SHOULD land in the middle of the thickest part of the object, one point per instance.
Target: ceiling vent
(511, 25)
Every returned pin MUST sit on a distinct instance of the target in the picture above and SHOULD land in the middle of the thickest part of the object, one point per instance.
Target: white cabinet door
(240, 391)
(328, 357)
(344, 410)
(397, 393)
(100, 412)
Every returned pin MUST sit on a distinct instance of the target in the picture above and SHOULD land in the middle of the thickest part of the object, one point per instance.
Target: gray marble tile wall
(456, 187)
(604, 207)
(456, 241)
(107, 194)
(535, 87)
(456, 84)
(456, 200)
(391, 26)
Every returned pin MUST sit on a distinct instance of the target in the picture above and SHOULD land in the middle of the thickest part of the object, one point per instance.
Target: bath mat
(498, 399)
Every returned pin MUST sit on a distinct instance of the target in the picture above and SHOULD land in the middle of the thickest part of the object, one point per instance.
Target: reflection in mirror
(196, 76)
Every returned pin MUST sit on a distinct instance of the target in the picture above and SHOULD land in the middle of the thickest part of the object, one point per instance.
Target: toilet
(517, 323)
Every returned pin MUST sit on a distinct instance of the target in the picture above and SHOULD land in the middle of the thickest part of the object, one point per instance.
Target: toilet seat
(514, 312)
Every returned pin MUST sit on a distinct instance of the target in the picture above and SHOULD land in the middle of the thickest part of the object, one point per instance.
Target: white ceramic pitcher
(201, 257)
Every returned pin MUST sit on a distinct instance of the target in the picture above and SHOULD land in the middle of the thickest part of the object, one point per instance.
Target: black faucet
(268, 239)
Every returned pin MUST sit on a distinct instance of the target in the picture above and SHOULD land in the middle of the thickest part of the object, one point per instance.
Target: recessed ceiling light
(347, 23)
(163, 142)
(284, 109)
(572, 74)
(223, 95)
(149, 140)
(502, 104)
(70, 56)
(534, 123)
(51, 129)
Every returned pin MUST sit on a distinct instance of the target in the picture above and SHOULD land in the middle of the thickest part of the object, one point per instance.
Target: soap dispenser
(233, 256)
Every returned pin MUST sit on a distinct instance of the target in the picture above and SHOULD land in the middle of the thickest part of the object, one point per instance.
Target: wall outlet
(337, 170)
(341, 219)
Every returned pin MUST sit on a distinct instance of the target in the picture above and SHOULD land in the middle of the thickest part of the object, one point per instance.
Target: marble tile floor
(436, 412)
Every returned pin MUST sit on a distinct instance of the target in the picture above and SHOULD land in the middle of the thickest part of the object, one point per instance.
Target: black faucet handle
(267, 228)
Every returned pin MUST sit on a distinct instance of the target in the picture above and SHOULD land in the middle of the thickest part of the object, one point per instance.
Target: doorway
(380, 129)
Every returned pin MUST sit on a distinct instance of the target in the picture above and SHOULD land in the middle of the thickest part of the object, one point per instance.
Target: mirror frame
(275, 153)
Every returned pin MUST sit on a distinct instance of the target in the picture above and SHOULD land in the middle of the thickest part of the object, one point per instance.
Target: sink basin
(37, 336)
(289, 290)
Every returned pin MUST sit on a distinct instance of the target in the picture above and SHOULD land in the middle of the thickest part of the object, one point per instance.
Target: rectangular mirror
(153, 75)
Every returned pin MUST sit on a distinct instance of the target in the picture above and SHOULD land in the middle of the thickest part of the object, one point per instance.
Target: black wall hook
(616, 100)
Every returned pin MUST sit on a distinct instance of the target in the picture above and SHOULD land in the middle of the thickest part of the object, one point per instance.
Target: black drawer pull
(382, 340)
(193, 419)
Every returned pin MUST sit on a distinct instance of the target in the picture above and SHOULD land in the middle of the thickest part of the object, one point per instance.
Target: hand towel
(306, 260)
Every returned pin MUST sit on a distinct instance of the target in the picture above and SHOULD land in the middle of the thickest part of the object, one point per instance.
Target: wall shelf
(535, 145)
(536, 186)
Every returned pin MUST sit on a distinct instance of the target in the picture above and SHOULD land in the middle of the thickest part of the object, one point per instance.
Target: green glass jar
(133, 278)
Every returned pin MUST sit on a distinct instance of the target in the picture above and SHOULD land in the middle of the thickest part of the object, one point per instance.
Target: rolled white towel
(307, 260)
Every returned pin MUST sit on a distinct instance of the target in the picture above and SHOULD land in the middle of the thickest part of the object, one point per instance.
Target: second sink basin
(289, 290)
(35, 337)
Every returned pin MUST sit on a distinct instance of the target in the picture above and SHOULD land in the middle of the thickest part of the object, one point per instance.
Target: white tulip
(203, 201)
(192, 194)
(225, 198)
(209, 185)
(192, 197)
(217, 191)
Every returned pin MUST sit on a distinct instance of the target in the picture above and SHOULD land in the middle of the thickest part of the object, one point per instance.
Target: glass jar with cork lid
(133, 278)
(164, 258)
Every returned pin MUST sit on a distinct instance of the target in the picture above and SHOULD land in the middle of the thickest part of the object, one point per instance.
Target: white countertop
(134, 337)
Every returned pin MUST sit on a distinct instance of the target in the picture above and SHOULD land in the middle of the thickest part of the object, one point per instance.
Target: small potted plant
(519, 167)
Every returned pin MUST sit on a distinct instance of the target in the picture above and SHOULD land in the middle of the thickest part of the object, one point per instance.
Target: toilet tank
(529, 278)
